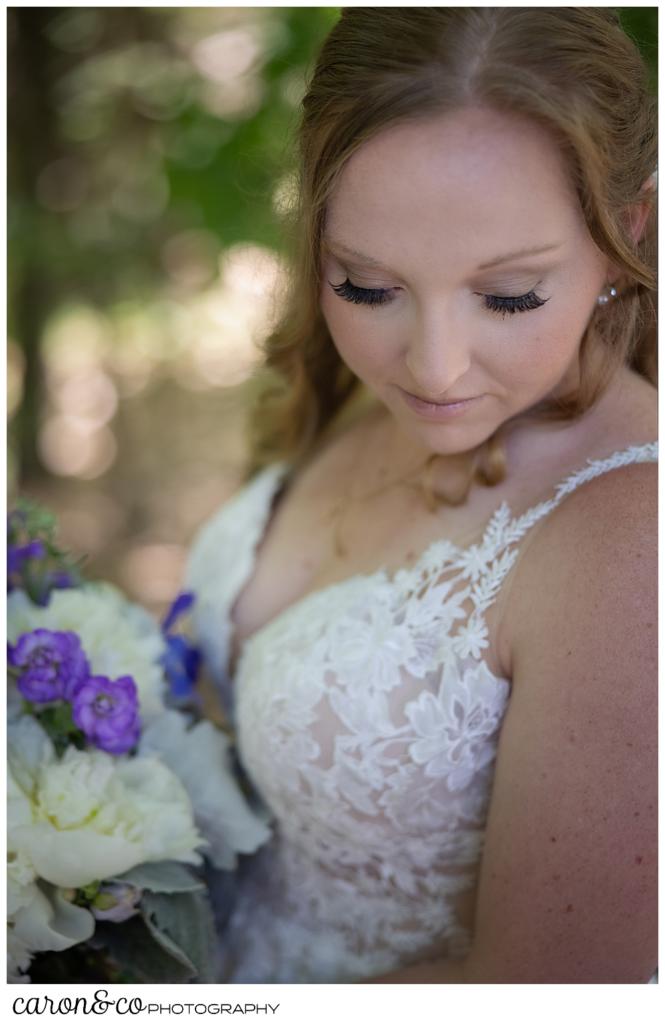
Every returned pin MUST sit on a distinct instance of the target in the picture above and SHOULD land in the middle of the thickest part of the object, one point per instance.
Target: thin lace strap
(486, 565)
(594, 467)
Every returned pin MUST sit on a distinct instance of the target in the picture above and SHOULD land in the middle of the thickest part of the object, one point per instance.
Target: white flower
(366, 644)
(20, 876)
(471, 638)
(119, 638)
(438, 607)
(473, 561)
(18, 959)
(92, 816)
(201, 759)
(38, 918)
(455, 727)
(414, 803)
(45, 921)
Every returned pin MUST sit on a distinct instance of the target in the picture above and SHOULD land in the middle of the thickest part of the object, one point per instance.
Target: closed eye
(364, 296)
(512, 303)
(494, 303)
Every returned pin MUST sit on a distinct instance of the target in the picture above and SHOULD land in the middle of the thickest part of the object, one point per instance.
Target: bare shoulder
(618, 508)
(568, 883)
(602, 537)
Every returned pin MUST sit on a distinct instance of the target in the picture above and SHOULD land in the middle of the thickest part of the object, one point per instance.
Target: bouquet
(123, 802)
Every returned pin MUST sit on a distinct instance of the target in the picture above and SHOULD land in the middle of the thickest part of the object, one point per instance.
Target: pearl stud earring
(607, 296)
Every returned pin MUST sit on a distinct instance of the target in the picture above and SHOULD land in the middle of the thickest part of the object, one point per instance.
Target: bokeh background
(150, 169)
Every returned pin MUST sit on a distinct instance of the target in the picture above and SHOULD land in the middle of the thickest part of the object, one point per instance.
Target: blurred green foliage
(142, 140)
(115, 141)
(128, 127)
(641, 24)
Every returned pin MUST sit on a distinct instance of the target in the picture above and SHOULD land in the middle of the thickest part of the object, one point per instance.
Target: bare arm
(567, 889)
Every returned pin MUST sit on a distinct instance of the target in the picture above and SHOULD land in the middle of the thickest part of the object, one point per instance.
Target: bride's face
(457, 267)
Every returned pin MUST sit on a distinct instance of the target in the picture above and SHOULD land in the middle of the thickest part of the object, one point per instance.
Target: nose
(438, 355)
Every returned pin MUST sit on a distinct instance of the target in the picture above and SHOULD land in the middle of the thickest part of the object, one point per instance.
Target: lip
(438, 410)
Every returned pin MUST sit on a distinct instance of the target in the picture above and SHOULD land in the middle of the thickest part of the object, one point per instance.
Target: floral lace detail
(368, 721)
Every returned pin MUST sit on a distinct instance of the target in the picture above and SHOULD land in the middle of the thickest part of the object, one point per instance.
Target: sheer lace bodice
(367, 718)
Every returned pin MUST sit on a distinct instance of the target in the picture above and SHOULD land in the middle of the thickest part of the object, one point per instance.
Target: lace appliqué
(368, 721)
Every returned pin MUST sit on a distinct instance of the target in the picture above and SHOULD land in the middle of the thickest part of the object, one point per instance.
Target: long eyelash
(495, 303)
(513, 303)
(363, 296)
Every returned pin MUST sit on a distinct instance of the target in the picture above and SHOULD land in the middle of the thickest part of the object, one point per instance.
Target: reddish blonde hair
(571, 69)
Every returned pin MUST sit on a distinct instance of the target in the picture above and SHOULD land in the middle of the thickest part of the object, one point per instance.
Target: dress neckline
(501, 528)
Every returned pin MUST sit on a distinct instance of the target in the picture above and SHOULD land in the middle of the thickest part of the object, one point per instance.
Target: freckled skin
(482, 184)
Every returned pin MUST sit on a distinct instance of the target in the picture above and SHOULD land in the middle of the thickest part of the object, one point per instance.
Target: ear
(638, 214)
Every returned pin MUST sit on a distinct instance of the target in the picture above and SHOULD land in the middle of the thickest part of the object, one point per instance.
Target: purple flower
(17, 554)
(62, 580)
(52, 665)
(106, 711)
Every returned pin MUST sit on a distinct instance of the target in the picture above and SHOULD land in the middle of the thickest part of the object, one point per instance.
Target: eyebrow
(368, 260)
(519, 254)
(507, 258)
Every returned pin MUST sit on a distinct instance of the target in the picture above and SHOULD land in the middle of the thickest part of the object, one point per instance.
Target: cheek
(542, 355)
(364, 343)
(556, 340)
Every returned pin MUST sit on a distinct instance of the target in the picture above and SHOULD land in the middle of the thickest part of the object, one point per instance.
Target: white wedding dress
(368, 720)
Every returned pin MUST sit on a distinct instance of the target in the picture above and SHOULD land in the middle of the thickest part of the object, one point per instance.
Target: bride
(431, 608)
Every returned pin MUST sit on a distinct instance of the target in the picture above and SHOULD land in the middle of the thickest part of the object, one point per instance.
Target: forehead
(456, 183)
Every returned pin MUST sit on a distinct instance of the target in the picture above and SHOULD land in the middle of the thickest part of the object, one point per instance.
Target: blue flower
(181, 660)
(181, 663)
(182, 604)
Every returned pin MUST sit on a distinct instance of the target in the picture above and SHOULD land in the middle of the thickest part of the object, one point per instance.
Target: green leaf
(34, 582)
(137, 954)
(166, 876)
(57, 722)
(62, 717)
(183, 924)
(37, 520)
